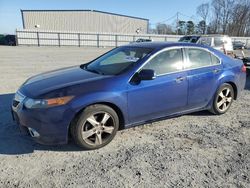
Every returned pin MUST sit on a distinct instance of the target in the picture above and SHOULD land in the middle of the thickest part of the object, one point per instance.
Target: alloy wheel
(98, 128)
(224, 99)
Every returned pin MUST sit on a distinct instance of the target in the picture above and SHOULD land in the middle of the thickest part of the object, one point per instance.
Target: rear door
(203, 69)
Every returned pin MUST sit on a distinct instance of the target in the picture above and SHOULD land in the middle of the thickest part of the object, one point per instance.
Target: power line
(177, 17)
(168, 19)
(190, 17)
(185, 15)
(164, 21)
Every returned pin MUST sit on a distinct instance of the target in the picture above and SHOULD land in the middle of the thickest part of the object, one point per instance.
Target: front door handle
(180, 79)
(215, 71)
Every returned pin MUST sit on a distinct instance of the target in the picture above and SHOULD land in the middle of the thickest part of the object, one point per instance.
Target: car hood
(53, 80)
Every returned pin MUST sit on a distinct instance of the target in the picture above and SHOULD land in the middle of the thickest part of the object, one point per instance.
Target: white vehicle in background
(219, 42)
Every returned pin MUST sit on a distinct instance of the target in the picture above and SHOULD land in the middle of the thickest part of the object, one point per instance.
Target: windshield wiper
(92, 70)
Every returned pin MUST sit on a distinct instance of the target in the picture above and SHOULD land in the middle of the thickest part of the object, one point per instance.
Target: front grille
(18, 99)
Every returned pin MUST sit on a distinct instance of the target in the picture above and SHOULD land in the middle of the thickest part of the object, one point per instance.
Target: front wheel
(96, 127)
(223, 99)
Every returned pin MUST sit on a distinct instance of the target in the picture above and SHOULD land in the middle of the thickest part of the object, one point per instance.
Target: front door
(164, 95)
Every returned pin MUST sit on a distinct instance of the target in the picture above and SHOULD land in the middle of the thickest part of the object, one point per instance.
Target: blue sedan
(127, 86)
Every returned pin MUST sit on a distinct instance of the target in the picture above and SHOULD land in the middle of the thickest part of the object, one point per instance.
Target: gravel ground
(195, 150)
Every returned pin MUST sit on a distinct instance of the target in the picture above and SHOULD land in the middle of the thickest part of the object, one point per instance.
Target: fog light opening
(33, 133)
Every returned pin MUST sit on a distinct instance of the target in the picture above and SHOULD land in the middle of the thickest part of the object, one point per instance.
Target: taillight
(244, 68)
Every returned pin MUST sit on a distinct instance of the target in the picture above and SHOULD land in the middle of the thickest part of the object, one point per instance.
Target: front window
(166, 62)
(118, 60)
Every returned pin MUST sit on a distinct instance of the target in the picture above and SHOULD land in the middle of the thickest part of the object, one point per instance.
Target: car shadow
(201, 113)
(207, 113)
(13, 141)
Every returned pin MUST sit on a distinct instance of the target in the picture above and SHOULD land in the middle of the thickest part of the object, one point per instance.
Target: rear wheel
(223, 99)
(96, 127)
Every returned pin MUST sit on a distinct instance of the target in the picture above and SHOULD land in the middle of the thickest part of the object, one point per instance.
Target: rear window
(200, 58)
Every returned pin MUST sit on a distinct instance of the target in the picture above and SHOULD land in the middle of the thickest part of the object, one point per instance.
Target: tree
(247, 34)
(162, 28)
(231, 17)
(190, 27)
(203, 12)
(240, 19)
(201, 27)
(151, 30)
(222, 12)
(181, 28)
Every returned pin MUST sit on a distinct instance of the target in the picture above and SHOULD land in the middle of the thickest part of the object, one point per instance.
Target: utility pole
(177, 23)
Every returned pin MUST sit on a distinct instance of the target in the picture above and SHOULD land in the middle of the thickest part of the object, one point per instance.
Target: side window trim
(185, 59)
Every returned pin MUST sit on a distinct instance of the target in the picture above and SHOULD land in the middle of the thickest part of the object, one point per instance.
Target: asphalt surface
(194, 150)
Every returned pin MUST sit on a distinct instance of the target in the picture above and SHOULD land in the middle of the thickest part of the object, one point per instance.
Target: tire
(223, 99)
(96, 127)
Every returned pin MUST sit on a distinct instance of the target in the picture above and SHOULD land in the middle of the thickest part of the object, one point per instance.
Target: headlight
(45, 103)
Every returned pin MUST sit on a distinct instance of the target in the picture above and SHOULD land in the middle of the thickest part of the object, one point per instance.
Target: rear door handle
(180, 79)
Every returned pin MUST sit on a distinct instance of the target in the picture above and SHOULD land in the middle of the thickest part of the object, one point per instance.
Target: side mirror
(147, 74)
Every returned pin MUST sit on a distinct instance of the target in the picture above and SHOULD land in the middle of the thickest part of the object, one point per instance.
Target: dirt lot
(197, 150)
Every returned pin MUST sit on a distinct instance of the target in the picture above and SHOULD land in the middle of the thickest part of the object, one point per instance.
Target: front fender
(114, 98)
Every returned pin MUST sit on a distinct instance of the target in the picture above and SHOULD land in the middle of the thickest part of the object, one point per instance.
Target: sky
(154, 10)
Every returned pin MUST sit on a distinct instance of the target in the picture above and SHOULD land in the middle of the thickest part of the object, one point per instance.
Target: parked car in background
(239, 45)
(218, 42)
(190, 38)
(2, 41)
(143, 40)
(127, 86)
(9, 40)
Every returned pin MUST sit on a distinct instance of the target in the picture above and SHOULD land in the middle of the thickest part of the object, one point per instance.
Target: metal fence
(54, 38)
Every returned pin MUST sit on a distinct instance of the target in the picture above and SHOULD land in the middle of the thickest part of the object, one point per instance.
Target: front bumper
(46, 126)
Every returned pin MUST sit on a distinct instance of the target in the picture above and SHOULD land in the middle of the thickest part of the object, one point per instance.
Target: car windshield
(185, 39)
(117, 61)
(205, 41)
(218, 42)
(238, 42)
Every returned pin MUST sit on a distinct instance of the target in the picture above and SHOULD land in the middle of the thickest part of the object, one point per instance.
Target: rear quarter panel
(233, 73)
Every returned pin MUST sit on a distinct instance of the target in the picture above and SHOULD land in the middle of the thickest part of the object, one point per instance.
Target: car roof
(161, 45)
